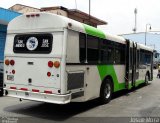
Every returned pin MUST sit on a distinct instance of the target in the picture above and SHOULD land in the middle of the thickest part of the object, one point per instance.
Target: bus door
(131, 64)
(128, 64)
(135, 63)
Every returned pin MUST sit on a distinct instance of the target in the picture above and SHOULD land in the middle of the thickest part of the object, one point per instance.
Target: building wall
(27, 9)
(86, 21)
(5, 17)
(58, 12)
(23, 9)
(3, 29)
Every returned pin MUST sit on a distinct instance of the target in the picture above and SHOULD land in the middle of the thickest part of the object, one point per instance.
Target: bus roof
(48, 21)
(145, 47)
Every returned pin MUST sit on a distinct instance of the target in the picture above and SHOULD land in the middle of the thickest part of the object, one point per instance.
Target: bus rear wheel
(106, 91)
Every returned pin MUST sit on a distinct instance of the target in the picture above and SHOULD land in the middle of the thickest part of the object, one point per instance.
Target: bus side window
(82, 47)
(110, 54)
(103, 51)
(131, 57)
(137, 58)
(145, 57)
(119, 53)
(92, 49)
(148, 58)
(141, 57)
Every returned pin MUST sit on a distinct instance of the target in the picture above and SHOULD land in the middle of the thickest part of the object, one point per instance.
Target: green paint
(139, 82)
(108, 70)
(105, 70)
(94, 31)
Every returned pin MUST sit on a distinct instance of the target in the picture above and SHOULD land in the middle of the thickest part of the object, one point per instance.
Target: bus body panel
(34, 72)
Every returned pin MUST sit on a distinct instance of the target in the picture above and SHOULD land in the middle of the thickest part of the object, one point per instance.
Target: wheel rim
(107, 91)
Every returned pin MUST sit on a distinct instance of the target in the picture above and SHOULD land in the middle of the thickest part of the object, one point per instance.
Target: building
(152, 38)
(75, 15)
(70, 13)
(23, 8)
(5, 17)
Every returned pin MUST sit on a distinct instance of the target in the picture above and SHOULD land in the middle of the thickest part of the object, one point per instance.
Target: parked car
(1, 78)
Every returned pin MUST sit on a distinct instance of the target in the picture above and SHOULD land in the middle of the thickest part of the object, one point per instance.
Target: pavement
(139, 105)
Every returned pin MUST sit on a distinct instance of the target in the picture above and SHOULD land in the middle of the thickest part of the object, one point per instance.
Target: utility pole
(135, 26)
(89, 10)
(146, 32)
(76, 4)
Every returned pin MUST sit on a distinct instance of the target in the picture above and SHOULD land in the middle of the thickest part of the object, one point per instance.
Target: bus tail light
(24, 89)
(13, 71)
(12, 62)
(35, 90)
(13, 88)
(48, 74)
(7, 62)
(50, 64)
(56, 64)
(48, 92)
(33, 15)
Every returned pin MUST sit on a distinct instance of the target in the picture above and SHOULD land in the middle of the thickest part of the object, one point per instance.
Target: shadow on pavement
(52, 111)
(60, 112)
(128, 92)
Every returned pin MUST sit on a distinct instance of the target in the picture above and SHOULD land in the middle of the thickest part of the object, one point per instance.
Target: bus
(54, 59)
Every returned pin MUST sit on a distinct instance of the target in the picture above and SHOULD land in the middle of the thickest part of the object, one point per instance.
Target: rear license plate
(10, 77)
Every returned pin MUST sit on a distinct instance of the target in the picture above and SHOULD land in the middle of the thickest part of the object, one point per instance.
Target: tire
(1, 92)
(106, 91)
(146, 79)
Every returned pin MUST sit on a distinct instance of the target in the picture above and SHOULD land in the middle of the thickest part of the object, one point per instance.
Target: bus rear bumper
(42, 97)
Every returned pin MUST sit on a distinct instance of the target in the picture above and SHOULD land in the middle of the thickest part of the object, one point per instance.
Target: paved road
(141, 102)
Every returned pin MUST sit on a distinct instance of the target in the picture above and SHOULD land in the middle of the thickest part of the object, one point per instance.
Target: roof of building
(23, 6)
(151, 32)
(77, 13)
(71, 13)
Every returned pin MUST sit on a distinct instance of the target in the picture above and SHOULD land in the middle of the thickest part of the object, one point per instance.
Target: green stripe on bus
(108, 70)
(94, 31)
(105, 70)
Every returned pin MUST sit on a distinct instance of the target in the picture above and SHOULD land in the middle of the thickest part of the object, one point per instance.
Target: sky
(118, 13)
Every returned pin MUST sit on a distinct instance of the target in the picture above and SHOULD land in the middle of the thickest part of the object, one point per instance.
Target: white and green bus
(54, 59)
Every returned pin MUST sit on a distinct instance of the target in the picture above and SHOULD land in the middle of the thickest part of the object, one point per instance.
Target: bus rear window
(33, 43)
